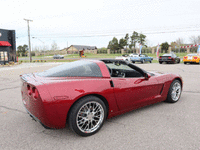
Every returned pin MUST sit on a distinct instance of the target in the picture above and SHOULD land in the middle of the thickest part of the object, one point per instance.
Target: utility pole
(29, 44)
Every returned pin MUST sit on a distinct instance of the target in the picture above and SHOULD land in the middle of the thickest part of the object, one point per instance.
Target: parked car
(84, 94)
(58, 57)
(126, 56)
(169, 58)
(141, 58)
(191, 58)
(123, 57)
(133, 54)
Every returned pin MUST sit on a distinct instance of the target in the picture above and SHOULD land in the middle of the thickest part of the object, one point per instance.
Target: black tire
(143, 61)
(133, 62)
(185, 63)
(87, 116)
(150, 61)
(160, 62)
(170, 98)
(178, 61)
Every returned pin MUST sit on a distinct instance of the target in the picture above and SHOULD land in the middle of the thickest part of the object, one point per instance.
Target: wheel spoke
(176, 90)
(89, 117)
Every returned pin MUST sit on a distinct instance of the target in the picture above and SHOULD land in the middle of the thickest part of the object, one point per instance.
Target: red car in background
(85, 93)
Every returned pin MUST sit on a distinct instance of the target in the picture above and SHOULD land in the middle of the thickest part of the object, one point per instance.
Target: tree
(54, 46)
(165, 47)
(22, 49)
(141, 39)
(174, 44)
(126, 40)
(122, 43)
(194, 39)
(134, 40)
(198, 40)
(113, 45)
(180, 41)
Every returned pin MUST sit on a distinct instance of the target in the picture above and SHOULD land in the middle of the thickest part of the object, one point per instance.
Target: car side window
(122, 71)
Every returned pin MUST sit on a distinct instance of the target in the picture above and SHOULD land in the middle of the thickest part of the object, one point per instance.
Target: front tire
(174, 92)
(87, 116)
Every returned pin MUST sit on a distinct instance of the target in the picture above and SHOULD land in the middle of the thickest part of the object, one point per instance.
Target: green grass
(39, 61)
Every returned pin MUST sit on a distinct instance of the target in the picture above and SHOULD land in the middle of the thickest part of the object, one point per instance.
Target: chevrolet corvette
(191, 58)
(169, 58)
(83, 94)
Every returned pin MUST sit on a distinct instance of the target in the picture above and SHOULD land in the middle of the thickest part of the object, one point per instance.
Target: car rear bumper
(36, 119)
(190, 61)
(40, 110)
(168, 61)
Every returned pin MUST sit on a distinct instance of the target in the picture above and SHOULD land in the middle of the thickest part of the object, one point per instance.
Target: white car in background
(126, 57)
(123, 57)
(134, 55)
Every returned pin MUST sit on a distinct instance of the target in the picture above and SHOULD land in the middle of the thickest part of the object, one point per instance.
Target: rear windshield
(167, 55)
(192, 55)
(73, 69)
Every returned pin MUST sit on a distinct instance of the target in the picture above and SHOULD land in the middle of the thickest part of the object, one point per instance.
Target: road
(161, 126)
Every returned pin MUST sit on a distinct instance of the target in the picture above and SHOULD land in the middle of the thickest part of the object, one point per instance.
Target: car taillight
(35, 93)
(29, 90)
(169, 57)
(185, 57)
(160, 57)
(195, 57)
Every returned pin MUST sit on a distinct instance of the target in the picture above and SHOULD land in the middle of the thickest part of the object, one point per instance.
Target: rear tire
(143, 61)
(185, 63)
(174, 92)
(160, 62)
(87, 116)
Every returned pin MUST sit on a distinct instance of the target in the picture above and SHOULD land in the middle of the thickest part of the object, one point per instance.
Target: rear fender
(66, 93)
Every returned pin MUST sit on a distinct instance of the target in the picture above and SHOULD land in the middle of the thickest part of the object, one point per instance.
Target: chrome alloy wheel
(176, 91)
(89, 117)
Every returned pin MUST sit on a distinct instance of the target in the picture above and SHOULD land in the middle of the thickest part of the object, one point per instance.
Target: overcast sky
(95, 23)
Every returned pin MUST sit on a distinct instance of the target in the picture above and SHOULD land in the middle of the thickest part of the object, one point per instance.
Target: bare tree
(198, 39)
(54, 46)
(194, 39)
(180, 41)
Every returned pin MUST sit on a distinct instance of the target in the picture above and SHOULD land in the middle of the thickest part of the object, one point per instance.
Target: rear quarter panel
(65, 93)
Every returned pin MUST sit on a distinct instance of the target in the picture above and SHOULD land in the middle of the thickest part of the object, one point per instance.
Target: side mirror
(146, 76)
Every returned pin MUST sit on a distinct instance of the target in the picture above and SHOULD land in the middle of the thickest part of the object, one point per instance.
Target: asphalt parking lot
(160, 126)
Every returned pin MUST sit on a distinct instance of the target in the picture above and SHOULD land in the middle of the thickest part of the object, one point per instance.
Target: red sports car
(85, 93)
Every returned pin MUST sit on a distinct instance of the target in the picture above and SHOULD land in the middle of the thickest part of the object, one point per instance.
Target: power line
(114, 34)
(122, 31)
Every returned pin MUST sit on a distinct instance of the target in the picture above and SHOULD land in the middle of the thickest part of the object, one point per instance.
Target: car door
(134, 92)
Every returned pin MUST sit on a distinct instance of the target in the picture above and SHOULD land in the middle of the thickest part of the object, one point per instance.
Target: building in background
(75, 49)
(7, 46)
